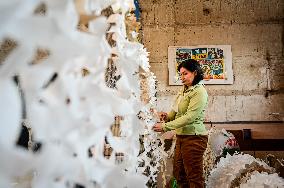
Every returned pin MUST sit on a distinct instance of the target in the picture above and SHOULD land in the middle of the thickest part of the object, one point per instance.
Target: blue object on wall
(137, 10)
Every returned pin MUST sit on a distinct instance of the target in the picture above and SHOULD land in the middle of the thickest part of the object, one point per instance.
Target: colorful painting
(216, 62)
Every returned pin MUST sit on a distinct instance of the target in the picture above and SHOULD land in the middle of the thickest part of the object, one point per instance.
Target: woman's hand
(163, 116)
(158, 127)
(169, 135)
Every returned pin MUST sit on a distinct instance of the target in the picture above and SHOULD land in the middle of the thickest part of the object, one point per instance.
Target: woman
(186, 118)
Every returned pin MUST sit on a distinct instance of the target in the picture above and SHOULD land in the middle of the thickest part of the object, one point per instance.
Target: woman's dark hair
(192, 65)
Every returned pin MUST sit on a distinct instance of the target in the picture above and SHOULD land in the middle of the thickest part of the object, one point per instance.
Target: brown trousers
(188, 161)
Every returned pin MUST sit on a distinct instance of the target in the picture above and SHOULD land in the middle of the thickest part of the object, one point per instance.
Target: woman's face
(187, 76)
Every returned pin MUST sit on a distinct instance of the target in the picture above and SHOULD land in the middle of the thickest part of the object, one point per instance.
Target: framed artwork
(215, 60)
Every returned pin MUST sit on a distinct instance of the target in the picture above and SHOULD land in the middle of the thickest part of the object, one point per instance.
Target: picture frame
(215, 60)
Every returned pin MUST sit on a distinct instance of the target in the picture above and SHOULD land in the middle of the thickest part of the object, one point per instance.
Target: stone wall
(254, 29)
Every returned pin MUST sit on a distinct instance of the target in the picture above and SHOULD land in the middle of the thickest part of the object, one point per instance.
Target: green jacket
(191, 104)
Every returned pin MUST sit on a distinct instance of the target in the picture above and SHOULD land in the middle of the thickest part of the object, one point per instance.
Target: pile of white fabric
(243, 170)
(67, 111)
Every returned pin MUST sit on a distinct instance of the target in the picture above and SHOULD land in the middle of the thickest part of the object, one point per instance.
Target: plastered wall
(254, 29)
